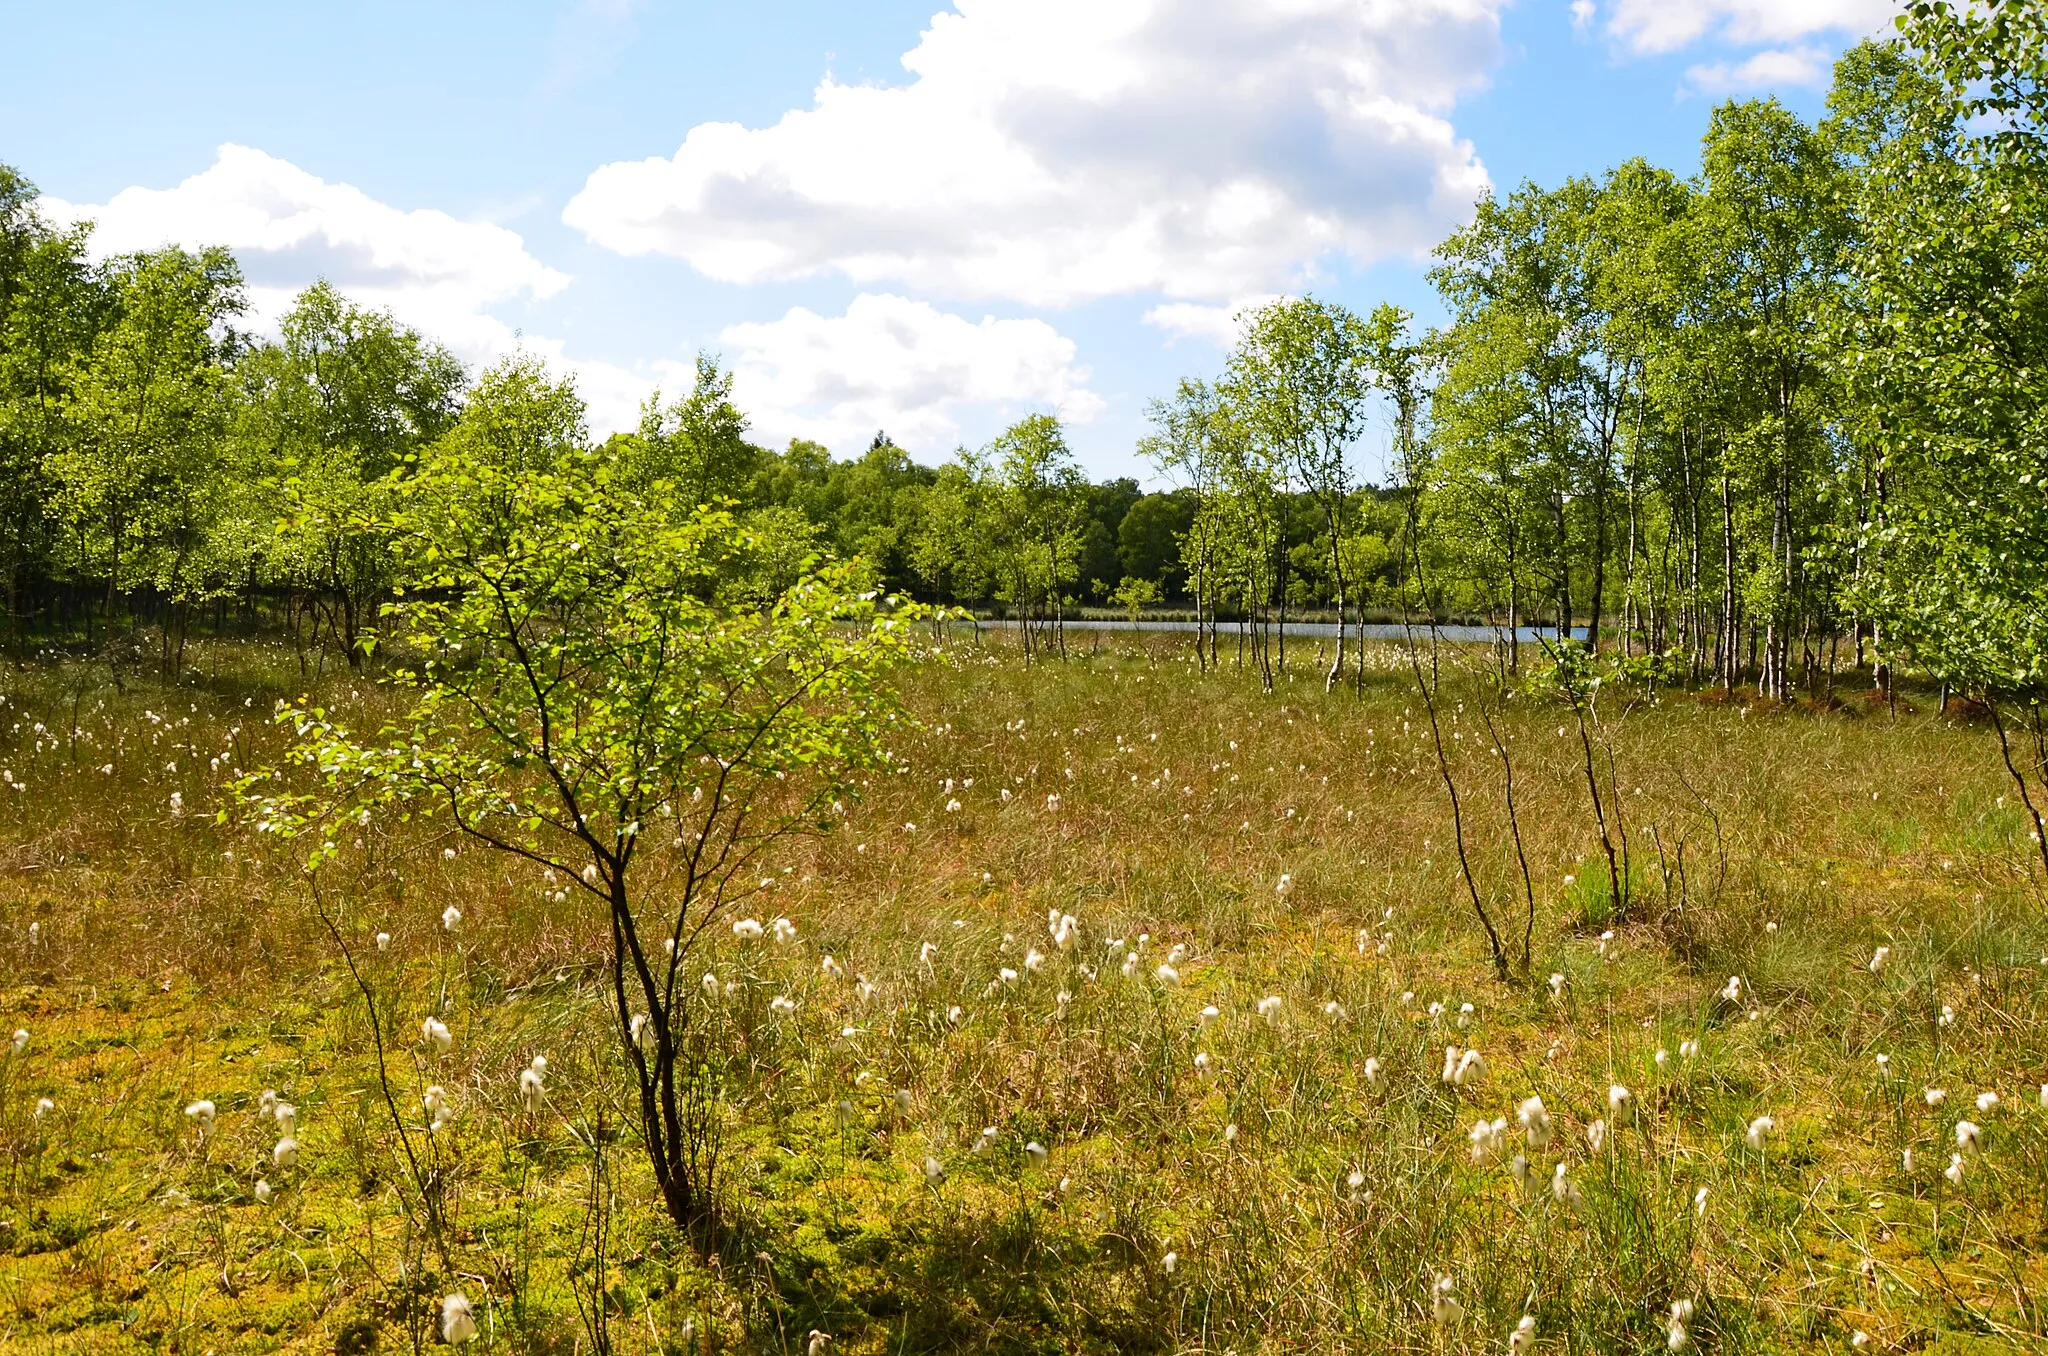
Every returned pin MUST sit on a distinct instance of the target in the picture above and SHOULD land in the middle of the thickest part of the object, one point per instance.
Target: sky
(881, 216)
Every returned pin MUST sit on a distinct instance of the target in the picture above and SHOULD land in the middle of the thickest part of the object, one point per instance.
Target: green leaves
(1946, 336)
(581, 670)
(136, 480)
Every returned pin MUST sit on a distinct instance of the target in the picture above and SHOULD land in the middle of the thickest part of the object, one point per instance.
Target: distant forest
(1776, 420)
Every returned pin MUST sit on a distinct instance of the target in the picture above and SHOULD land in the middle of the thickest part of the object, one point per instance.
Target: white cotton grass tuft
(1487, 1139)
(642, 1031)
(1969, 1138)
(785, 932)
(1564, 1190)
(1167, 975)
(458, 1320)
(287, 1117)
(1987, 1102)
(1677, 1332)
(435, 1032)
(1037, 1153)
(748, 929)
(21, 1044)
(451, 918)
(1269, 1007)
(934, 1171)
(285, 1153)
(1443, 1303)
(383, 941)
(1619, 1100)
(532, 1091)
(1758, 1135)
(202, 1114)
(1596, 1136)
(435, 1104)
(1688, 1049)
(1373, 1068)
(1878, 959)
(1955, 1170)
(1534, 1118)
(1470, 1070)
(1523, 1338)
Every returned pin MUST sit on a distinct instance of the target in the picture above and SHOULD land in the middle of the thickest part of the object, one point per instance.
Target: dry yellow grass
(174, 959)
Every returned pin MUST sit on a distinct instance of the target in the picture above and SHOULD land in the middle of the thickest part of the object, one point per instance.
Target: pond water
(1460, 634)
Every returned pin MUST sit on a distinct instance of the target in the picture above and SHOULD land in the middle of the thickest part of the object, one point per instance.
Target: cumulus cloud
(1219, 325)
(1647, 26)
(1771, 69)
(1052, 151)
(288, 228)
(894, 363)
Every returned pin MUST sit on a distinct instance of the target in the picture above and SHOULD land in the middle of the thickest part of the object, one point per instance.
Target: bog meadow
(467, 882)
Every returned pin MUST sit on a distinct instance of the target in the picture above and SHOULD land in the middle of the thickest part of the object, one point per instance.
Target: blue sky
(1057, 208)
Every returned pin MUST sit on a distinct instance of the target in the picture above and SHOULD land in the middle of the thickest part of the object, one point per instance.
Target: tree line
(1760, 425)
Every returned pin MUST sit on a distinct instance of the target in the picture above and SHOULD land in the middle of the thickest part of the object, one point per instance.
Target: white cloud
(1051, 151)
(901, 365)
(1773, 69)
(1665, 25)
(1218, 325)
(288, 228)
